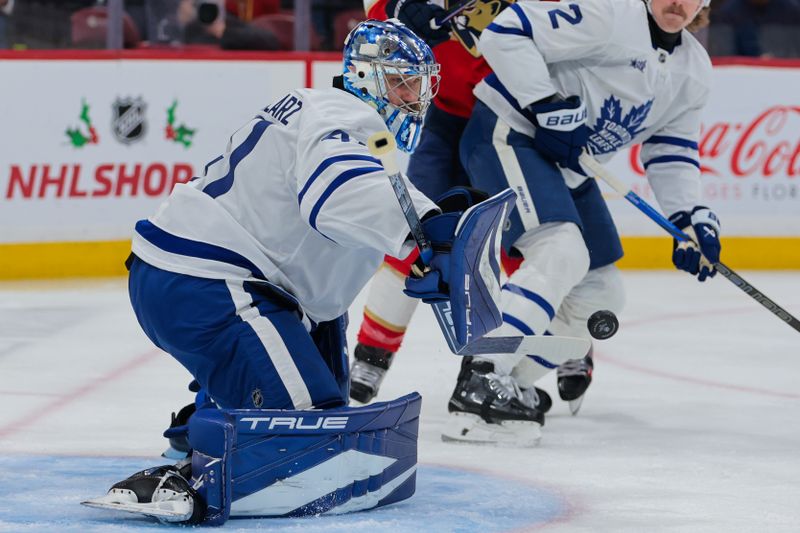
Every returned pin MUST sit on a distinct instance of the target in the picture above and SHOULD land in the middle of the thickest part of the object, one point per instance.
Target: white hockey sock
(556, 259)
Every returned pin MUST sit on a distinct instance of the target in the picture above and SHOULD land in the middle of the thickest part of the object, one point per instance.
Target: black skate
(368, 370)
(162, 492)
(488, 408)
(574, 377)
(537, 398)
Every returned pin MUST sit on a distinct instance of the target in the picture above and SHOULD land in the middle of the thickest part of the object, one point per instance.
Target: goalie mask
(393, 70)
(469, 24)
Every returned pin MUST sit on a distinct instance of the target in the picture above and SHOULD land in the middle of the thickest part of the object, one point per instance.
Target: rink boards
(93, 141)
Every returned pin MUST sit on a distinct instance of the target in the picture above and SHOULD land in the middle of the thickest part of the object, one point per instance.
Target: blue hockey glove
(703, 226)
(440, 229)
(418, 15)
(561, 131)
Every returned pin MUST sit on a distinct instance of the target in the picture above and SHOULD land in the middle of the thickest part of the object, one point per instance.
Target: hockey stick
(454, 12)
(600, 171)
(555, 350)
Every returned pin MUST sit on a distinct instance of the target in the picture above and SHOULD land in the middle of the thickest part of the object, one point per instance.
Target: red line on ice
(69, 398)
(689, 379)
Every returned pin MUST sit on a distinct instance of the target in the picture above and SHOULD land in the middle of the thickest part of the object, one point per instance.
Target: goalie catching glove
(699, 255)
(433, 285)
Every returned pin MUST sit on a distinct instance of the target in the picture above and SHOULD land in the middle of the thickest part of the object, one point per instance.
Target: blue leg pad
(264, 462)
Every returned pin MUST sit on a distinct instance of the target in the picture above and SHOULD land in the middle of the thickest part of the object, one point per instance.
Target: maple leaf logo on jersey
(611, 131)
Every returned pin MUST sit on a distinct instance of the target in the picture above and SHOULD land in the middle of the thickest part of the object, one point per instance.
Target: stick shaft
(728, 273)
(382, 145)
(454, 12)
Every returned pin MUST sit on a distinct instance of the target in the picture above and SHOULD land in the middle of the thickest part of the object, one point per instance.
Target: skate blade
(575, 405)
(472, 429)
(166, 511)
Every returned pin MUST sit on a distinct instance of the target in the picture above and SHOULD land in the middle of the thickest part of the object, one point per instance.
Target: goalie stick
(552, 349)
(591, 164)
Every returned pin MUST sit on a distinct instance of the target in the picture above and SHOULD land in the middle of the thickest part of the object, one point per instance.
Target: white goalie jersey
(601, 50)
(296, 200)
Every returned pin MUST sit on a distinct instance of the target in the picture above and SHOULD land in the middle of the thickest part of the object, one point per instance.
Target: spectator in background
(6, 6)
(44, 23)
(247, 10)
(207, 22)
(757, 28)
(323, 13)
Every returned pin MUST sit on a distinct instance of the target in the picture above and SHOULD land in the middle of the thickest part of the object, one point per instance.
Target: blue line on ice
(42, 493)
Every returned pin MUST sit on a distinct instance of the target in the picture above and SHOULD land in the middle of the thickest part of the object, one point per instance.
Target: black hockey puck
(602, 324)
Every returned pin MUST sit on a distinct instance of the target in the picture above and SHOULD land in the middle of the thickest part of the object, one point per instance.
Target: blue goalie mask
(393, 70)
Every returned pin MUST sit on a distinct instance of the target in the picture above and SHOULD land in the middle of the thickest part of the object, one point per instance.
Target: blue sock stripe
(517, 323)
(532, 296)
(542, 361)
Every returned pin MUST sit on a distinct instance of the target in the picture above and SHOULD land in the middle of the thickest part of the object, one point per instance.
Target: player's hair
(700, 21)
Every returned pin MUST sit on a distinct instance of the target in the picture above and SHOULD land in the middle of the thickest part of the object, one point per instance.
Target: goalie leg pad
(260, 463)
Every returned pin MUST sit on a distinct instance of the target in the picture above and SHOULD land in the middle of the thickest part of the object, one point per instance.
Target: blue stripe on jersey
(328, 162)
(494, 82)
(526, 24)
(675, 141)
(340, 180)
(542, 361)
(224, 184)
(203, 250)
(496, 28)
(517, 323)
(205, 170)
(672, 159)
(532, 296)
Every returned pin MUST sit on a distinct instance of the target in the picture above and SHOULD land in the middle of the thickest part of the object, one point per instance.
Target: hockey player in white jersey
(245, 275)
(596, 75)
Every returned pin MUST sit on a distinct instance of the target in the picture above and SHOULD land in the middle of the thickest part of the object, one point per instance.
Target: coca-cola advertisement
(749, 153)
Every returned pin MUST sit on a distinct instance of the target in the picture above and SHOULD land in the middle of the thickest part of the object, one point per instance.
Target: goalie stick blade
(166, 511)
(553, 349)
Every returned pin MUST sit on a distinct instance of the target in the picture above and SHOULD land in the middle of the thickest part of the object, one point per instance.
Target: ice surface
(692, 422)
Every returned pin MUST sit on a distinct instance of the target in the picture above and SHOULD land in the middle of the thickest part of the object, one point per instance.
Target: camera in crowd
(209, 11)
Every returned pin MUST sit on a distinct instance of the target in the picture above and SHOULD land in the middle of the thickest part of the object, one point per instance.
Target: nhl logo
(128, 119)
(257, 397)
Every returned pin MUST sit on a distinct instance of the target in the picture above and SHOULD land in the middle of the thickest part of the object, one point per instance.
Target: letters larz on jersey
(128, 119)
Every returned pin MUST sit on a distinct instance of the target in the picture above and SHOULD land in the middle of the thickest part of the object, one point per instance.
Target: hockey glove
(703, 226)
(433, 285)
(561, 131)
(419, 16)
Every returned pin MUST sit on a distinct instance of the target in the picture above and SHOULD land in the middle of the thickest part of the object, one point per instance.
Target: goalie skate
(161, 493)
(487, 408)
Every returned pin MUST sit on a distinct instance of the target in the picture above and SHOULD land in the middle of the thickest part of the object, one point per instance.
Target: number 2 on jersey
(573, 19)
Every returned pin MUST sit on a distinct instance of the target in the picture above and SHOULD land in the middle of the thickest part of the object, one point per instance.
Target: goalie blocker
(283, 463)
(463, 283)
